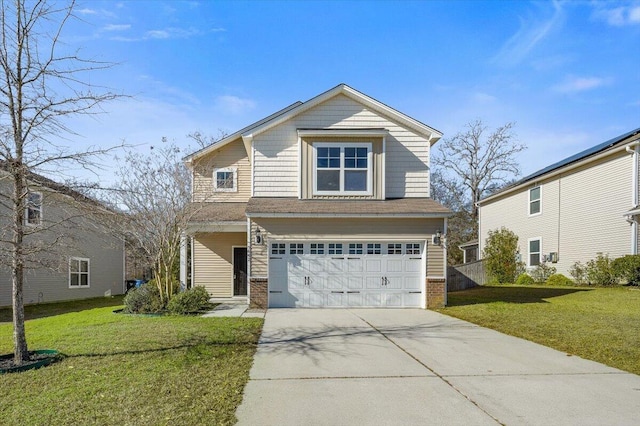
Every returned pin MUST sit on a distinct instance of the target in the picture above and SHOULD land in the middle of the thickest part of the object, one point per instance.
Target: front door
(239, 271)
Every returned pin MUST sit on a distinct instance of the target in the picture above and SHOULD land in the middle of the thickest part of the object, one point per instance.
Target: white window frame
(539, 200)
(225, 170)
(80, 273)
(529, 253)
(342, 146)
(29, 206)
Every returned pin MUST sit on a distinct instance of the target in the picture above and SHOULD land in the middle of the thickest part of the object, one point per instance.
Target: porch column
(184, 240)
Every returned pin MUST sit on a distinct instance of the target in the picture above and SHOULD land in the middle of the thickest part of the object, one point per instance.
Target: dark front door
(239, 271)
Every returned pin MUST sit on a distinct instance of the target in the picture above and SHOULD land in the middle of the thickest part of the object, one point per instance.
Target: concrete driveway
(406, 366)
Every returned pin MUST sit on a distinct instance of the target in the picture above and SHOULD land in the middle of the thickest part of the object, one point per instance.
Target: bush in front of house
(542, 272)
(144, 300)
(189, 301)
(578, 272)
(628, 268)
(600, 271)
(500, 255)
(524, 279)
(559, 280)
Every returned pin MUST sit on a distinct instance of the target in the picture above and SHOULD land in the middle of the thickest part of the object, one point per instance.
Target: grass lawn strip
(128, 370)
(600, 324)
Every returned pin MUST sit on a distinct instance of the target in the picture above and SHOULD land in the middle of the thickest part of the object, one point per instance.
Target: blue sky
(568, 73)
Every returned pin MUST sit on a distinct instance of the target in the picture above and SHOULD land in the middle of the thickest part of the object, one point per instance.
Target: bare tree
(470, 165)
(40, 87)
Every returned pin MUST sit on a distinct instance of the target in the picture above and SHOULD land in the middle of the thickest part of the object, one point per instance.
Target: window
(394, 248)
(278, 248)
(78, 272)
(33, 213)
(342, 168)
(296, 248)
(534, 201)
(335, 248)
(374, 248)
(355, 248)
(224, 180)
(317, 248)
(534, 251)
(413, 248)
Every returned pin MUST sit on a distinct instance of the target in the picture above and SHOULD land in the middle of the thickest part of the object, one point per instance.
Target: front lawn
(601, 324)
(128, 370)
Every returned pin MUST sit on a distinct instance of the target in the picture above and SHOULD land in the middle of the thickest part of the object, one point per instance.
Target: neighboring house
(574, 209)
(469, 251)
(322, 204)
(75, 254)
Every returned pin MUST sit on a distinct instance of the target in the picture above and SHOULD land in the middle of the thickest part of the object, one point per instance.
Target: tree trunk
(21, 352)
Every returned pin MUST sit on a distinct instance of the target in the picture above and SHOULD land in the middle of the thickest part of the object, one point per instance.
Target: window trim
(80, 273)
(342, 146)
(225, 170)
(28, 206)
(539, 200)
(529, 253)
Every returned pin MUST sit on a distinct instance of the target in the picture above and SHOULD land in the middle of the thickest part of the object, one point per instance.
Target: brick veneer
(436, 293)
(259, 293)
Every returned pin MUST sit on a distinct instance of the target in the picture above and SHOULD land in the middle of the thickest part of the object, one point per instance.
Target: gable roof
(582, 156)
(249, 132)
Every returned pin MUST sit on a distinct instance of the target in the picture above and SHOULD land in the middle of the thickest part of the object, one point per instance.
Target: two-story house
(72, 252)
(574, 209)
(322, 204)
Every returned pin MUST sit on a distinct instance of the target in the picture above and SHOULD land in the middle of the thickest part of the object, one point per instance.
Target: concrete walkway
(234, 310)
(390, 367)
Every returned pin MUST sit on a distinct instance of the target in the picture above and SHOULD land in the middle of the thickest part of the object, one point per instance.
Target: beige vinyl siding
(213, 261)
(232, 155)
(307, 160)
(79, 234)
(348, 229)
(582, 213)
(277, 159)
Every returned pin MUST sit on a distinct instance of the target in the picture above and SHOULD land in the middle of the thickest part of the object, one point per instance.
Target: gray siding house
(76, 255)
(574, 209)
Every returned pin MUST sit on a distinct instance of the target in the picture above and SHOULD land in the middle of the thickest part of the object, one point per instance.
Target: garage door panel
(355, 282)
(413, 265)
(393, 299)
(354, 265)
(354, 299)
(373, 299)
(335, 299)
(374, 282)
(394, 265)
(412, 283)
(373, 265)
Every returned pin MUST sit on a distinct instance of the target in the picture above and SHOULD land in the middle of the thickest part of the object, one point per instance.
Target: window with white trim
(224, 180)
(413, 248)
(335, 248)
(78, 272)
(394, 248)
(535, 249)
(355, 248)
(535, 206)
(342, 168)
(278, 248)
(296, 248)
(33, 210)
(374, 248)
(317, 248)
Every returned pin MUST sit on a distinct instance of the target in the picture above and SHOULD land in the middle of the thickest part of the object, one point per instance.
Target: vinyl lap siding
(232, 155)
(213, 261)
(276, 151)
(582, 213)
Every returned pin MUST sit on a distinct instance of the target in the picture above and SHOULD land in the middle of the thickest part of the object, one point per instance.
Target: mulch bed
(37, 359)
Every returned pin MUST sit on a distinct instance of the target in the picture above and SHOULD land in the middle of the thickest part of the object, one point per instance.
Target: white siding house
(574, 209)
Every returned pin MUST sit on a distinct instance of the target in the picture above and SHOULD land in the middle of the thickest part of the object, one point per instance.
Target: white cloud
(618, 16)
(234, 104)
(87, 11)
(158, 34)
(116, 27)
(532, 31)
(580, 84)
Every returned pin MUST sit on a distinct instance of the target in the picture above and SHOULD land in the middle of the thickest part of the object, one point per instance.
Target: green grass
(601, 324)
(128, 370)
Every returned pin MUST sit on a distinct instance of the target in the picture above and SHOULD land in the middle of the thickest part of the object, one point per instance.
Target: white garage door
(346, 274)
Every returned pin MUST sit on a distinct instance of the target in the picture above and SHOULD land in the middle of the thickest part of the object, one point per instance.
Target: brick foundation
(436, 293)
(258, 298)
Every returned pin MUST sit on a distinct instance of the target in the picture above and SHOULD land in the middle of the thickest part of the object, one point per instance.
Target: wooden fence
(465, 276)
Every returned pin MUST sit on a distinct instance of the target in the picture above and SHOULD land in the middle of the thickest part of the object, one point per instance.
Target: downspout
(632, 148)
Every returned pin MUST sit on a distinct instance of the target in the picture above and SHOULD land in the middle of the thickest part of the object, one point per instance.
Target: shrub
(578, 272)
(524, 279)
(144, 300)
(189, 301)
(500, 255)
(600, 271)
(628, 268)
(542, 272)
(559, 280)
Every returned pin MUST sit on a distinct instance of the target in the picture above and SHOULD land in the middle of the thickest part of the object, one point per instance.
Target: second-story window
(342, 169)
(535, 206)
(33, 211)
(224, 180)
